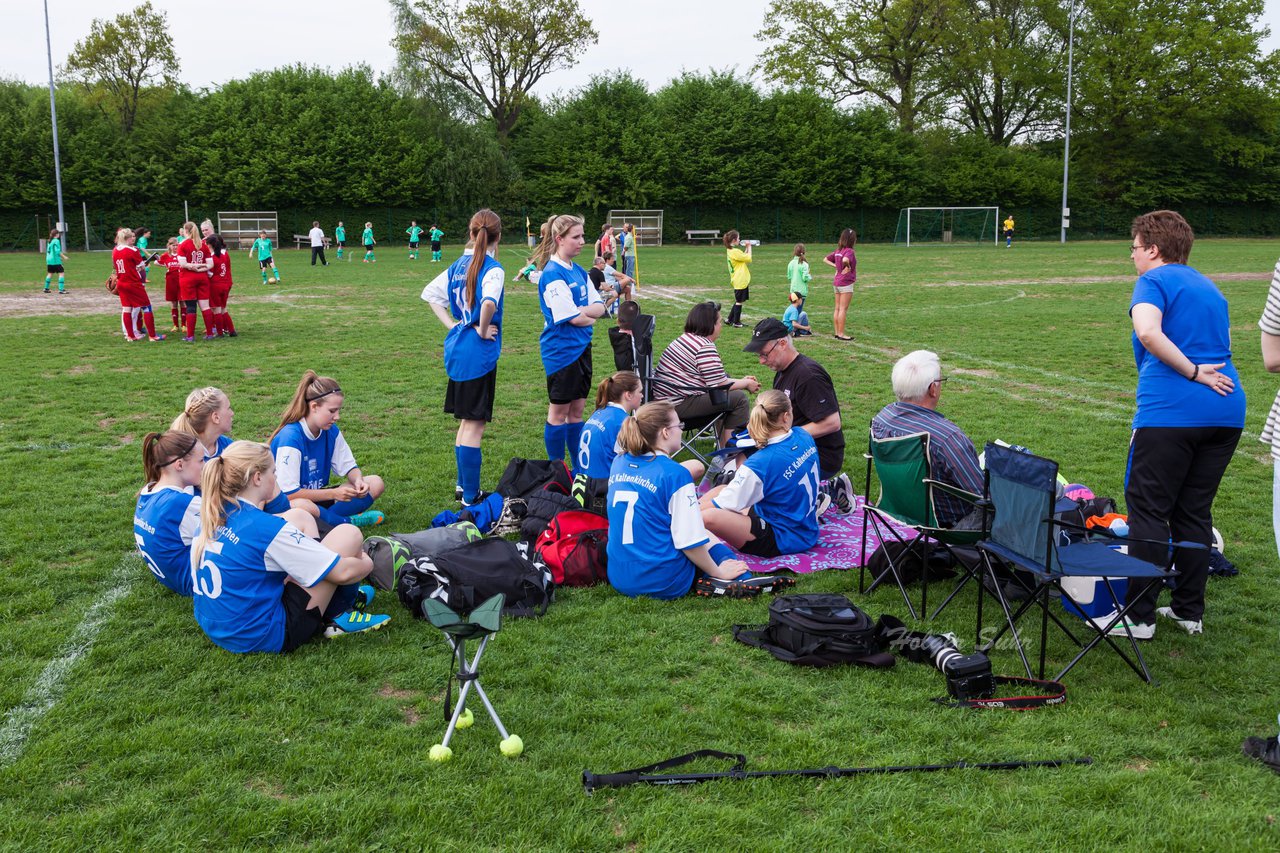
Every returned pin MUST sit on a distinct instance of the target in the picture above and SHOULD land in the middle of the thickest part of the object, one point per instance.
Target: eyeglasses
(1133, 249)
(769, 348)
(676, 426)
(941, 379)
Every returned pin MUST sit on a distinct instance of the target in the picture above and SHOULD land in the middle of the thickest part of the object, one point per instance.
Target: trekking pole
(639, 776)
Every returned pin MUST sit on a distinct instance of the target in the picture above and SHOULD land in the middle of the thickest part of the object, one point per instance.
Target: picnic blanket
(839, 545)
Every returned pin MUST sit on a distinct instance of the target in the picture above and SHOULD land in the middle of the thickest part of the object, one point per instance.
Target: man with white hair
(917, 383)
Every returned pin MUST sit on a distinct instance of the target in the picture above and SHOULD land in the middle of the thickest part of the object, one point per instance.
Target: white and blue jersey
(563, 291)
(223, 442)
(305, 461)
(239, 580)
(599, 443)
(781, 481)
(466, 354)
(276, 505)
(164, 523)
(653, 518)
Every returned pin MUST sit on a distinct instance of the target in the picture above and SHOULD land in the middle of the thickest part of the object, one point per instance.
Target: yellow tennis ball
(466, 719)
(440, 753)
(512, 746)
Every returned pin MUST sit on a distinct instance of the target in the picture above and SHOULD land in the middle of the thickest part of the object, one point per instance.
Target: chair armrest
(954, 491)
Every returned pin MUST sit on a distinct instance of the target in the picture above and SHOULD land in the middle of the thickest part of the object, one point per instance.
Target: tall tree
(121, 58)
(496, 50)
(888, 49)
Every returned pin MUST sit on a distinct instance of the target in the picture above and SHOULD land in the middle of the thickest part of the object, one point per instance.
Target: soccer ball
(271, 281)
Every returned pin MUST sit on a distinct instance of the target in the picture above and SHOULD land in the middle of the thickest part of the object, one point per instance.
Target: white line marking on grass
(49, 687)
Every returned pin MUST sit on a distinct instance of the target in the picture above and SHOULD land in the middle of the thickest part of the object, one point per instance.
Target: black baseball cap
(768, 329)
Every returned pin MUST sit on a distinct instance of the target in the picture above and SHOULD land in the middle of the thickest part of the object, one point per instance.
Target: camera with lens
(968, 676)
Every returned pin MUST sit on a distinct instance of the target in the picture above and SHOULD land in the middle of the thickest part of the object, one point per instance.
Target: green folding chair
(907, 493)
(483, 622)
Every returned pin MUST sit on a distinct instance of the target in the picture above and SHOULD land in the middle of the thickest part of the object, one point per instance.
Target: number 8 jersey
(653, 517)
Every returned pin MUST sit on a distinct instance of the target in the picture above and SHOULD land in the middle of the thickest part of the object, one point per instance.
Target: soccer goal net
(948, 225)
(239, 228)
(648, 225)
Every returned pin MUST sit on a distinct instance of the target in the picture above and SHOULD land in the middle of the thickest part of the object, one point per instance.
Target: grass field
(123, 728)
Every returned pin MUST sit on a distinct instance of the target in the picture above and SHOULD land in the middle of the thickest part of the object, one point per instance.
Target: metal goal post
(648, 224)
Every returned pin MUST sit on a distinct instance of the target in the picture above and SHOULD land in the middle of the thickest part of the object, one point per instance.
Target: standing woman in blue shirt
(467, 297)
(570, 307)
(1189, 417)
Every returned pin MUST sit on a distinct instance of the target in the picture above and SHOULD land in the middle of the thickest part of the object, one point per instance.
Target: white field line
(49, 687)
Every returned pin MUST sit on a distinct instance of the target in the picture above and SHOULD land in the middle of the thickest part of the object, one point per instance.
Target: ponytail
(160, 450)
(200, 406)
(485, 230)
(639, 434)
(612, 388)
(799, 251)
(555, 226)
(223, 479)
(311, 388)
(766, 417)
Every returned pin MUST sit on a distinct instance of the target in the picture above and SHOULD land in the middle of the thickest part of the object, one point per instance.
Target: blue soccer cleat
(356, 622)
(368, 518)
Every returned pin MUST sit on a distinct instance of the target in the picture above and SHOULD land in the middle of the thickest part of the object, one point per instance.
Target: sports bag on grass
(465, 576)
(392, 551)
(524, 477)
(573, 547)
(818, 629)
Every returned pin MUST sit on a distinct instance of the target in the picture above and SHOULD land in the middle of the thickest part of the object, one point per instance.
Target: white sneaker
(1185, 624)
(1140, 630)
(842, 493)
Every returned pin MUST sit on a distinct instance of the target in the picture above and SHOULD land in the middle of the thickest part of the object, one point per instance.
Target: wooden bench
(303, 241)
(711, 235)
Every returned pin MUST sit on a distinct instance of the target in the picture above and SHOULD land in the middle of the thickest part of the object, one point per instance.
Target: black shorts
(435, 245)
(1008, 233)
(472, 399)
(741, 296)
(762, 543)
(413, 245)
(54, 268)
(572, 382)
(341, 244)
(368, 247)
(300, 624)
(265, 263)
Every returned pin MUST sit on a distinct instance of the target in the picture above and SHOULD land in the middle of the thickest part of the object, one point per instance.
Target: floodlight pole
(53, 112)
(1066, 144)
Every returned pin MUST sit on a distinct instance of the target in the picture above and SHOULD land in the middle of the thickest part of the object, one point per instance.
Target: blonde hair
(554, 228)
(612, 388)
(766, 417)
(172, 242)
(224, 477)
(191, 232)
(123, 235)
(639, 433)
(200, 406)
(162, 449)
(311, 387)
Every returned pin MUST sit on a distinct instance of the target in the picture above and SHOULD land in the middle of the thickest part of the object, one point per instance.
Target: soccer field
(122, 727)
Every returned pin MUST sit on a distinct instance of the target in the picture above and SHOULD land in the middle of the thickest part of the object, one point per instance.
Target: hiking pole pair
(591, 781)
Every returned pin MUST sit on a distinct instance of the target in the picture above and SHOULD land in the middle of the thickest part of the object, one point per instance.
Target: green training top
(368, 236)
(340, 234)
(413, 233)
(263, 247)
(142, 244)
(53, 252)
(435, 235)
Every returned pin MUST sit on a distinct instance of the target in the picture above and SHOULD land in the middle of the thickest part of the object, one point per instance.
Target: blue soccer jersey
(781, 481)
(305, 461)
(599, 443)
(223, 442)
(466, 354)
(164, 523)
(240, 578)
(653, 517)
(563, 290)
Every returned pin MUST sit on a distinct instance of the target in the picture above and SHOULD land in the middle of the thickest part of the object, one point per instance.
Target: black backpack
(465, 576)
(818, 629)
(525, 477)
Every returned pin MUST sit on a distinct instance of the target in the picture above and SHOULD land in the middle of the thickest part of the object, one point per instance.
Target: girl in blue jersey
(167, 517)
(616, 398)
(770, 506)
(467, 297)
(657, 540)
(262, 583)
(570, 307)
(309, 447)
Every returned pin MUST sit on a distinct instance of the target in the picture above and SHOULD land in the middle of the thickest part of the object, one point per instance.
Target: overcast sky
(654, 39)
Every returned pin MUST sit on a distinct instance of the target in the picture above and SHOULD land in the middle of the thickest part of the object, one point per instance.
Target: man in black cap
(813, 401)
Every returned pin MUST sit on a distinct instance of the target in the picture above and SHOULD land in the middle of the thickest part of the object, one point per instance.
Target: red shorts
(132, 294)
(172, 292)
(194, 287)
(218, 293)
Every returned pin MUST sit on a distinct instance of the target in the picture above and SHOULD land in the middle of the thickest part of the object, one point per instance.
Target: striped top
(952, 458)
(1270, 325)
(688, 365)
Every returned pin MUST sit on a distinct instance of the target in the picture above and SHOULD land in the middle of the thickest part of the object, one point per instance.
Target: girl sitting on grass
(262, 583)
(794, 318)
(308, 447)
(167, 516)
(658, 545)
(770, 506)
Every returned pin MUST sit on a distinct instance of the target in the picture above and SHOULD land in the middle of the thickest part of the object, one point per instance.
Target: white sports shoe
(1185, 624)
(1140, 630)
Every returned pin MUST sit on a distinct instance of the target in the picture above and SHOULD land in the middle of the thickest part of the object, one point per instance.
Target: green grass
(157, 740)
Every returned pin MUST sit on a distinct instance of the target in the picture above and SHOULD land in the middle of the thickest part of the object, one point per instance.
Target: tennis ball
(467, 718)
(512, 746)
(440, 753)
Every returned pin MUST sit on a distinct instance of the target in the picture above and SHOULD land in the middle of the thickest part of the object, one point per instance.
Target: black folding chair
(632, 342)
(1024, 538)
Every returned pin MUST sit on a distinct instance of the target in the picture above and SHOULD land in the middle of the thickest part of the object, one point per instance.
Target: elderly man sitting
(917, 383)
